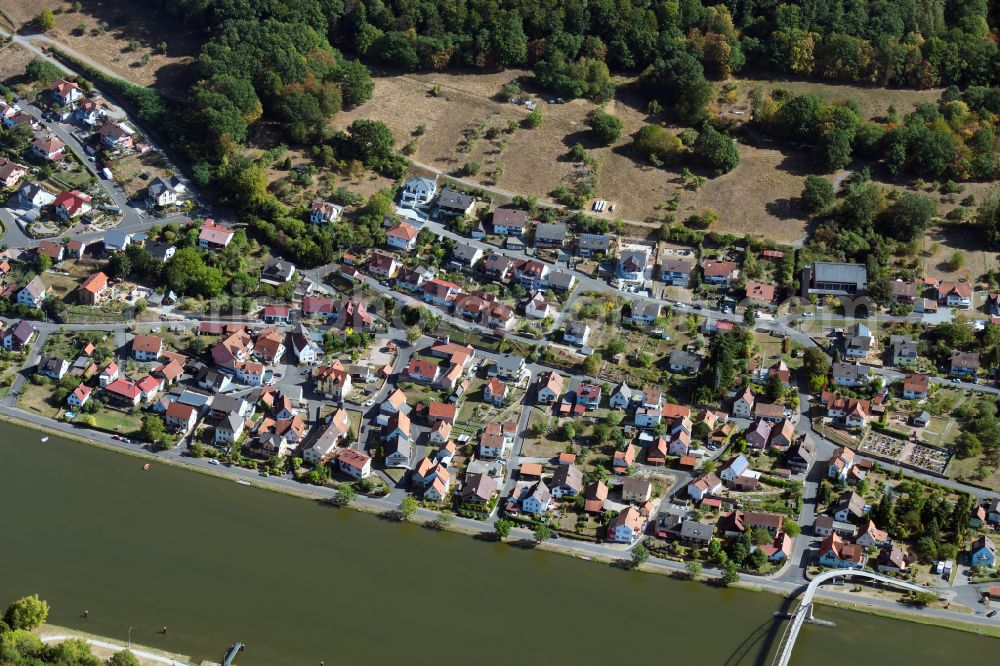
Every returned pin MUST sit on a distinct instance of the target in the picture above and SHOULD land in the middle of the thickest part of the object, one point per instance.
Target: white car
(213, 461)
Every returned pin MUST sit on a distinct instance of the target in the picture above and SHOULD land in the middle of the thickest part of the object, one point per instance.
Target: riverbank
(104, 647)
(522, 538)
(968, 627)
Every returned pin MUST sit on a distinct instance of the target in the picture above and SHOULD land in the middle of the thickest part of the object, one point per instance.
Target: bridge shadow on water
(762, 641)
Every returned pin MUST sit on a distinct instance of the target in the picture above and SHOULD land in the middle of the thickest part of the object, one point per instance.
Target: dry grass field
(13, 60)
(751, 199)
(107, 28)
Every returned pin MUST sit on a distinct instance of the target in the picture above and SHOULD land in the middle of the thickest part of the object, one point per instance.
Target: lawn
(36, 397)
(114, 421)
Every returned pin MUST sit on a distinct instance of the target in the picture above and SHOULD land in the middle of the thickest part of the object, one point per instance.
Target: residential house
(48, 148)
(147, 347)
(160, 192)
(90, 112)
(834, 279)
(495, 392)
(550, 234)
(277, 271)
(550, 388)
(402, 236)
(871, 536)
(79, 397)
(706, 484)
(801, 455)
(858, 341)
(837, 553)
(398, 451)
(442, 411)
(54, 367)
(494, 442)
(17, 336)
(422, 371)
(94, 289)
(782, 435)
(214, 236)
(677, 270)
(453, 202)
(622, 396)
(567, 481)
(759, 434)
(624, 459)
(760, 294)
(637, 490)
(684, 361)
(532, 274)
(324, 212)
(778, 550)
(276, 314)
(643, 312)
(498, 267)
(116, 136)
(75, 248)
(536, 499)
(589, 245)
(595, 497)
(904, 350)
(108, 374)
(51, 249)
(354, 464)
(588, 396)
(904, 291)
(33, 294)
(849, 507)
(317, 306)
(180, 417)
(743, 405)
(983, 553)
(508, 221)
(307, 350)
(417, 192)
(576, 332)
(65, 93)
(124, 392)
(229, 429)
(738, 522)
(955, 294)
(964, 364)
(440, 292)
(116, 241)
(34, 196)
(561, 281)
(11, 173)
(849, 374)
(333, 381)
(891, 560)
(478, 489)
(719, 272)
(916, 386)
(510, 367)
(840, 463)
(734, 468)
(633, 262)
(627, 526)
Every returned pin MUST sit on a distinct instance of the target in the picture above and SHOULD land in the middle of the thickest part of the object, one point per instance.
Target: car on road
(384, 283)
(956, 380)
(991, 613)
(808, 314)
(213, 461)
(369, 402)
(264, 474)
(117, 438)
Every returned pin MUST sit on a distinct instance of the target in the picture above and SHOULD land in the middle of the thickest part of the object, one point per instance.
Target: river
(216, 562)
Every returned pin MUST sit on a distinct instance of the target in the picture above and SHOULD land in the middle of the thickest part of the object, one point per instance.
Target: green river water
(298, 582)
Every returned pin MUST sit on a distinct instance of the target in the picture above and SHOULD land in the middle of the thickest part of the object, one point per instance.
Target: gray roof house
(160, 251)
(684, 361)
(561, 280)
(417, 192)
(590, 244)
(277, 271)
(465, 255)
(643, 312)
(510, 366)
(453, 202)
(567, 481)
(550, 234)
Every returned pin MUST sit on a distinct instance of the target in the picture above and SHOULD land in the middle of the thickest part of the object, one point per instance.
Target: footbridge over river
(804, 612)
